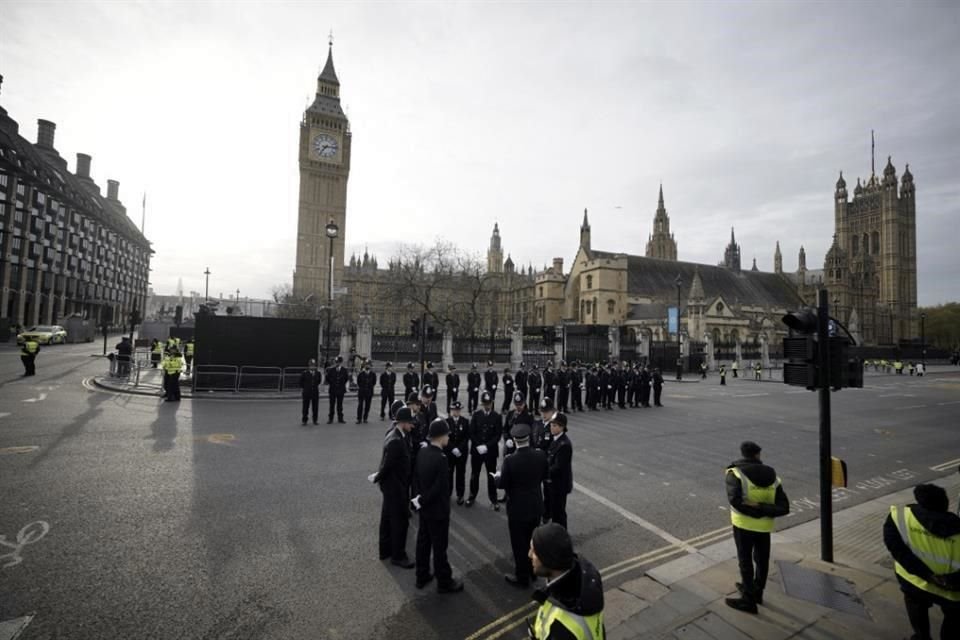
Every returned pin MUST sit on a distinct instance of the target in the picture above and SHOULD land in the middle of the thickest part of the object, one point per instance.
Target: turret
(731, 256)
(495, 252)
(778, 257)
(802, 260)
(585, 232)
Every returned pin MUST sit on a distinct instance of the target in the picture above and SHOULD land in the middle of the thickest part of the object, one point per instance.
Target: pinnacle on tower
(329, 74)
(586, 223)
(660, 200)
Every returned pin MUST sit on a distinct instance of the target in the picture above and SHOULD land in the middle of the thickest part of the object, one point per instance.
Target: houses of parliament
(870, 269)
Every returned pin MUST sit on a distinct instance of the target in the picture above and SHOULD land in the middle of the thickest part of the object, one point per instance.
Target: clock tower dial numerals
(325, 146)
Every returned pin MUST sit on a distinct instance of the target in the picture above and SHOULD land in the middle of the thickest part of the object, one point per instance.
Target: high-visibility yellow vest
(898, 365)
(189, 349)
(582, 627)
(941, 555)
(172, 364)
(30, 347)
(753, 493)
(157, 348)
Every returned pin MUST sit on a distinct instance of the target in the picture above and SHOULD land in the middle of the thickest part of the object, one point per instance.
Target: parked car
(44, 334)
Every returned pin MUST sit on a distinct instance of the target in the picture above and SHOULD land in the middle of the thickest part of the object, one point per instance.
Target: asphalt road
(220, 519)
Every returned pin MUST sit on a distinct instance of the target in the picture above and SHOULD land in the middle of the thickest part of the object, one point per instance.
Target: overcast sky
(468, 114)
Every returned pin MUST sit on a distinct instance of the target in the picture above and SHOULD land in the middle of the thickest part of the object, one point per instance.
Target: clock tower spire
(324, 158)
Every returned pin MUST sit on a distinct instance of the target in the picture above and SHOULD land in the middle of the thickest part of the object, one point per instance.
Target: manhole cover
(822, 588)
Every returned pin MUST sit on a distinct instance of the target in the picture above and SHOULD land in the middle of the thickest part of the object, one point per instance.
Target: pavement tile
(619, 605)
(696, 586)
(768, 625)
(646, 588)
(621, 632)
(719, 578)
(651, 620)
(691, 631)
(680, 568)
(721, 551)
(683, 601)
(719, 628)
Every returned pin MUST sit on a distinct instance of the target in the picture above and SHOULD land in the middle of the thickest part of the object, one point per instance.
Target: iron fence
(259, 379)
(215, 377)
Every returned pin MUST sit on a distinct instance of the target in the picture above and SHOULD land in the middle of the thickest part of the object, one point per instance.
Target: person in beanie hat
(457, 449)
(433, 504)
(571, 603)
(521, 478)
(393, 477)
(560, 459)
(924, 540)
(756, 497)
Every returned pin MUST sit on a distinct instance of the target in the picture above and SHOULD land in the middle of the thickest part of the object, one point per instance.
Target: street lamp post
(332, 230)
(923, 340)
(679, 354)
(206, 294)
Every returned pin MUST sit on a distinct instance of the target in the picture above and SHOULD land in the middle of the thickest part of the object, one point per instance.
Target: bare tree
(290, 305)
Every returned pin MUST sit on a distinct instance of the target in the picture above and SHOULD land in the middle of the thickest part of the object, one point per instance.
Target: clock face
(325, 146)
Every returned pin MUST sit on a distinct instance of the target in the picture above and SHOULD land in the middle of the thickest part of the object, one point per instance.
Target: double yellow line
(506, 623)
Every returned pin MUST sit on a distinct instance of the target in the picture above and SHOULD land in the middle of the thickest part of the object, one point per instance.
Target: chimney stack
(558, 266)
(113, 189)
(83, 165)
(45, 131)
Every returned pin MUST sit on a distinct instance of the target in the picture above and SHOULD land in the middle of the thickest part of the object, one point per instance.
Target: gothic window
(611, 306)
(589, 282)
(855, 245)
(876, 243)
(582, 311)
(734, 336)
(540, 292)
(719, 307)
(595, 311)
(866, 244)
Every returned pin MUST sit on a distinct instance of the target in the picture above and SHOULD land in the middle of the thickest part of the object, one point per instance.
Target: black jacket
(486, 429)
(366, 381)
(563, 378)
(644, 378)
(762, 476)
(459, 437)
(549, 378)
(535, 380)
(516, 417)
(394, 473)
(388, 380)
(560, 457)
(431, 379)
(453, 382)
(433, 479)
(490, 380)
(576, 379)
(337, 379)
(580, 591)
(521, 380)
(310, 382)
(657, 380)
(507, 381)
(473, 381)
(521, 477)
(411, 380)
(942, 524)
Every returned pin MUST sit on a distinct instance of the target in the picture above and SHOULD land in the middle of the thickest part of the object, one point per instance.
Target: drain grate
(821, 588)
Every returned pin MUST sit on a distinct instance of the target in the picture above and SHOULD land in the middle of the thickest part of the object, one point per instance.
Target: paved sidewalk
(683, 599)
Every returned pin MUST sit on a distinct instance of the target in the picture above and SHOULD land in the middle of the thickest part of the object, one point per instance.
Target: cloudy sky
(520, 113)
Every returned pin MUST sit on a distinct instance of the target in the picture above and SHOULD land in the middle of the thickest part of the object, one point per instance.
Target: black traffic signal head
(803, 321)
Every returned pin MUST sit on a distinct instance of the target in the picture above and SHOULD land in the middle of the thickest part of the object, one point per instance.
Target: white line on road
(944, 466)
(11, 629)
(913, 406)
(943, 404)
(634, 518)
(4, 415)
(42, 396)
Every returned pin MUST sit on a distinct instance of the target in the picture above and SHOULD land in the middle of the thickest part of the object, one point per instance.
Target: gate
(628, 345)
(402, 349)
(663, 356)
(697, 356)
(539, 348)
(587, 343)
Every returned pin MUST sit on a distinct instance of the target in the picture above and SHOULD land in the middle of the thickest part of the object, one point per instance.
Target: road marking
(634, 518)
(913, 406)
(14, 450)
(4, 414)
(943, 404)
(750, 395)
(11, 629)
(217, 438)
(29, 534)
(42, 396)
(945, 466)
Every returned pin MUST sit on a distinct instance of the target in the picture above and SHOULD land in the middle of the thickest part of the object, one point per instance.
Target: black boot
(757, 596)
(744, 603)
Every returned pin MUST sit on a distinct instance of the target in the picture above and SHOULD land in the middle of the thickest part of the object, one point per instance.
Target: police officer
(28, 356)
(550, 382)
(310, 381)
(562, 381)
(490, 382)
(592, 383)
(156, 353)
(427, 405)
(734, 367)
(433, 504)
(576, 387)
(723, 375)
(393, 477)
(430, 378)
(630, 382)
(521, 380)
(620, 385)
(453, 386)
(473, 388)
(560, 459)
(366, 382)
(411, 381)
(486, 427)
(758, 372)
(571, 604)
(536, 382)
(924, 540)
(457, 449)
(657, 387)
(508, 387)
(521, 478)
(188, 349)
(606, 387)
(337, 379)
(172, 366)
(756, 497)
(703, 370)
(388, 381)
(645, 387)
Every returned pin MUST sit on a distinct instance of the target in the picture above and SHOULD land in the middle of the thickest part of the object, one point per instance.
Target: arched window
(540, 292)
(866, 243)
(876, 243)
(734, 336)
(855, 245)
(589, 282)
(583, 315)
(611, 306)
(594, 311)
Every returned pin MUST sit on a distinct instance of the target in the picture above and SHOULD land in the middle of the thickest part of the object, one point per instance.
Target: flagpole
(143, 215)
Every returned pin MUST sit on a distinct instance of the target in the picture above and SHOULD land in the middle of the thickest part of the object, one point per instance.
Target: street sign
(673, 319)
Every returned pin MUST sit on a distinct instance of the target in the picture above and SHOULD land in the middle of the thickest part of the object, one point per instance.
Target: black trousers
(393, 531)
(558, 505)
(171, 384)
(520, 533)
(29, 365)
(645, 395)
(563, 395)
(657, 390)
(621, 396)
(386, 399)
(489, 461)
(310, 402)
(918, 611)
(507, 399)
(753, 555)
(432, 538)
(458, 473)
(336, 402)
(606, 398)
(576, 399)
(473, 398)
(493, 396)
(535, 400)
(452, 397)
(189, 361)
(364, 399)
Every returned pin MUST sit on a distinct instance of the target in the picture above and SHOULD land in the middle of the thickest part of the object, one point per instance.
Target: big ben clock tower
(324, 169)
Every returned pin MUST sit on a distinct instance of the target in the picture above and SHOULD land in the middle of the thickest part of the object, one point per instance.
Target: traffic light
(802, 367)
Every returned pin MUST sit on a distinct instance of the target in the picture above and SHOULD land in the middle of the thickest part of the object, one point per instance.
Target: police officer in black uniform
(430, 378)
(576, 387)
(486, 427)
(563, 386)
(592, 383)
(366, 382)
(453, 386)
(606, 387)
(521, 380)
(427, 405)
(560, 459)
(657, 387)
(457, 449)
(388, 381)
(508, 386)
(522, 477)
(519, 414)
(393, 477)
(310, 381)
(645, 387)
(536, 382)
(490, 382)
(473, 389)
(550, 382)
(630, 381)
(541, 438)
(411, 381)
(337, 379)
(620, 385)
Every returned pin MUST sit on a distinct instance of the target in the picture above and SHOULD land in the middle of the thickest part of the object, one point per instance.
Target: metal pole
(326, 343)
(679, 351)
(923, 340)
(423, 337)
(823, 371)
(207, 292)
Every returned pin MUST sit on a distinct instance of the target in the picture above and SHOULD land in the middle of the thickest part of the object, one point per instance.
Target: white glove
(494, 387)
(473, 389)
(372, 477)
(456, 452)
(509, 444)
(423, 444)
(609, 387)
(416, 503)
(482, 449)
(554, 386)
(496, 476)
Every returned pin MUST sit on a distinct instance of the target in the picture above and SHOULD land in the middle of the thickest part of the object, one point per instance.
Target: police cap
(438, 428)
(456, 406)
(546, 404)
(518, 398)
(413, 398)
(485, 398)
(404, 415)
(520, 432)
(427, 392)
(560, 419)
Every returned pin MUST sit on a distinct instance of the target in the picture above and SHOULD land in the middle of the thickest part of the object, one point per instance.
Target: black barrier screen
(260, 342)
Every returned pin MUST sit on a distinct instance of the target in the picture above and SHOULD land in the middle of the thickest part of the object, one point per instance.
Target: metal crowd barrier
(215, 377)
(291, 378)
(260, 379)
